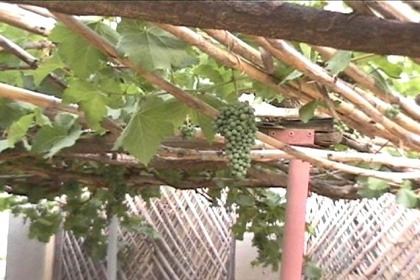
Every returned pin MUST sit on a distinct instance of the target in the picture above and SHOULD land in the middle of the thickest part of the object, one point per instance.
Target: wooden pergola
(353, 97)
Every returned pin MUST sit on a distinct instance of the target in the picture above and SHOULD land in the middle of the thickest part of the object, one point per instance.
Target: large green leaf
(46, 67)
(154, 120)
(406, 196)
(11, 111)
(76, 52)
(373, 187)
(152, 47)
(19, 128)
(91, 100)
(49, 140)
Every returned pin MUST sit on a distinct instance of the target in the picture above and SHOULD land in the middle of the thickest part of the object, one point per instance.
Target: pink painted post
(294, 234)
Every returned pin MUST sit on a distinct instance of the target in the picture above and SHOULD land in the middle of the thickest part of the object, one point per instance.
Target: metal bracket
(299, 137)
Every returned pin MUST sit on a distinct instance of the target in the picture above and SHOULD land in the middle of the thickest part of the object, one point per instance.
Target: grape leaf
(206, 124)
(339, 62)
(153, 121)
(152, 47)
(373, 187)
(19, 128)
(91, 100)
(49, 140)
(245, 200)
(407, 198)
(10, 111)
(46, 67)
(12, 77)
(312, 271)
(292, 76)
(307, 111)
(76, 52)
(264, 91)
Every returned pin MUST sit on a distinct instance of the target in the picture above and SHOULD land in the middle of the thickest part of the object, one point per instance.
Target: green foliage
(295, 74)
(237, 124)
(91, 100)
(11, 111)
(83, 58)
(155, 119)
(103, 89)
(392, 112)
(261, 212)
(339, 62)
(266, 92)
(46, 67)
(84, 212)
(152, 47)
(307, 111)
(187, 129)
(406, 196)
(63, 133)
(372, 187)
(312, 271)
(19, 128)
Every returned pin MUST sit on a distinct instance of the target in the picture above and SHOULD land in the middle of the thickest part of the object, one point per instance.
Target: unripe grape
(237, 124)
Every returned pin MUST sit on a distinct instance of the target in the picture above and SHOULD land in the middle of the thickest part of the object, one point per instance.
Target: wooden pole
(112, 250)
(294, 233)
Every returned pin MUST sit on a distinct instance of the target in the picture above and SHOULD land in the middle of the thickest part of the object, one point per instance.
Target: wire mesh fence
(195, 243)
(364, 239)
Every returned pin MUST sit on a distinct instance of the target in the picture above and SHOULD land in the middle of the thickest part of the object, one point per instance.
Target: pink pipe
(294, 233)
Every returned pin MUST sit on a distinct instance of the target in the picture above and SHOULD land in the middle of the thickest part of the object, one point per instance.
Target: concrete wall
(245, 254)
(4, 228)
(26, 258)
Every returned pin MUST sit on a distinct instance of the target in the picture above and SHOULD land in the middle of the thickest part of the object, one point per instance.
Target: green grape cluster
(236, 123)
(187, 129)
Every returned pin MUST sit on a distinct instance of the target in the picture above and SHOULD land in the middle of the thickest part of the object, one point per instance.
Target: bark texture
(268, 19)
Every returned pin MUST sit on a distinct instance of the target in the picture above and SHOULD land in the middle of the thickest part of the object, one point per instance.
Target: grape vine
(187, 129)
(236, 123)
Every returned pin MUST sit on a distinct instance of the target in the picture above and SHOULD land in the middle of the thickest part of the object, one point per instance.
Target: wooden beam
(269, 19)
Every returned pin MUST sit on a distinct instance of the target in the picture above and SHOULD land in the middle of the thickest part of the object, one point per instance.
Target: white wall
(26, 258)
(244, 255)
(4, 228)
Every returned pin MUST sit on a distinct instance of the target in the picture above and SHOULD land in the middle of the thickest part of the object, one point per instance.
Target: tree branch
(20, 21)
(16, 50)
(48, 102)
(288, 54)
(368, 82)
(234, 44)
(268, 19)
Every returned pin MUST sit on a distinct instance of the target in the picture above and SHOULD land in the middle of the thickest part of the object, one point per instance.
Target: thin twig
(16, 50)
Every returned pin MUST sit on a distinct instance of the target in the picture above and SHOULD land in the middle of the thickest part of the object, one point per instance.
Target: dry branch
(48, 102)
(368, 82)
(269, 19)
(14, 49)
(106, 47)
(234, 44)
(387, 10)
(19, 20)
(289, 55)
(170, 153)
